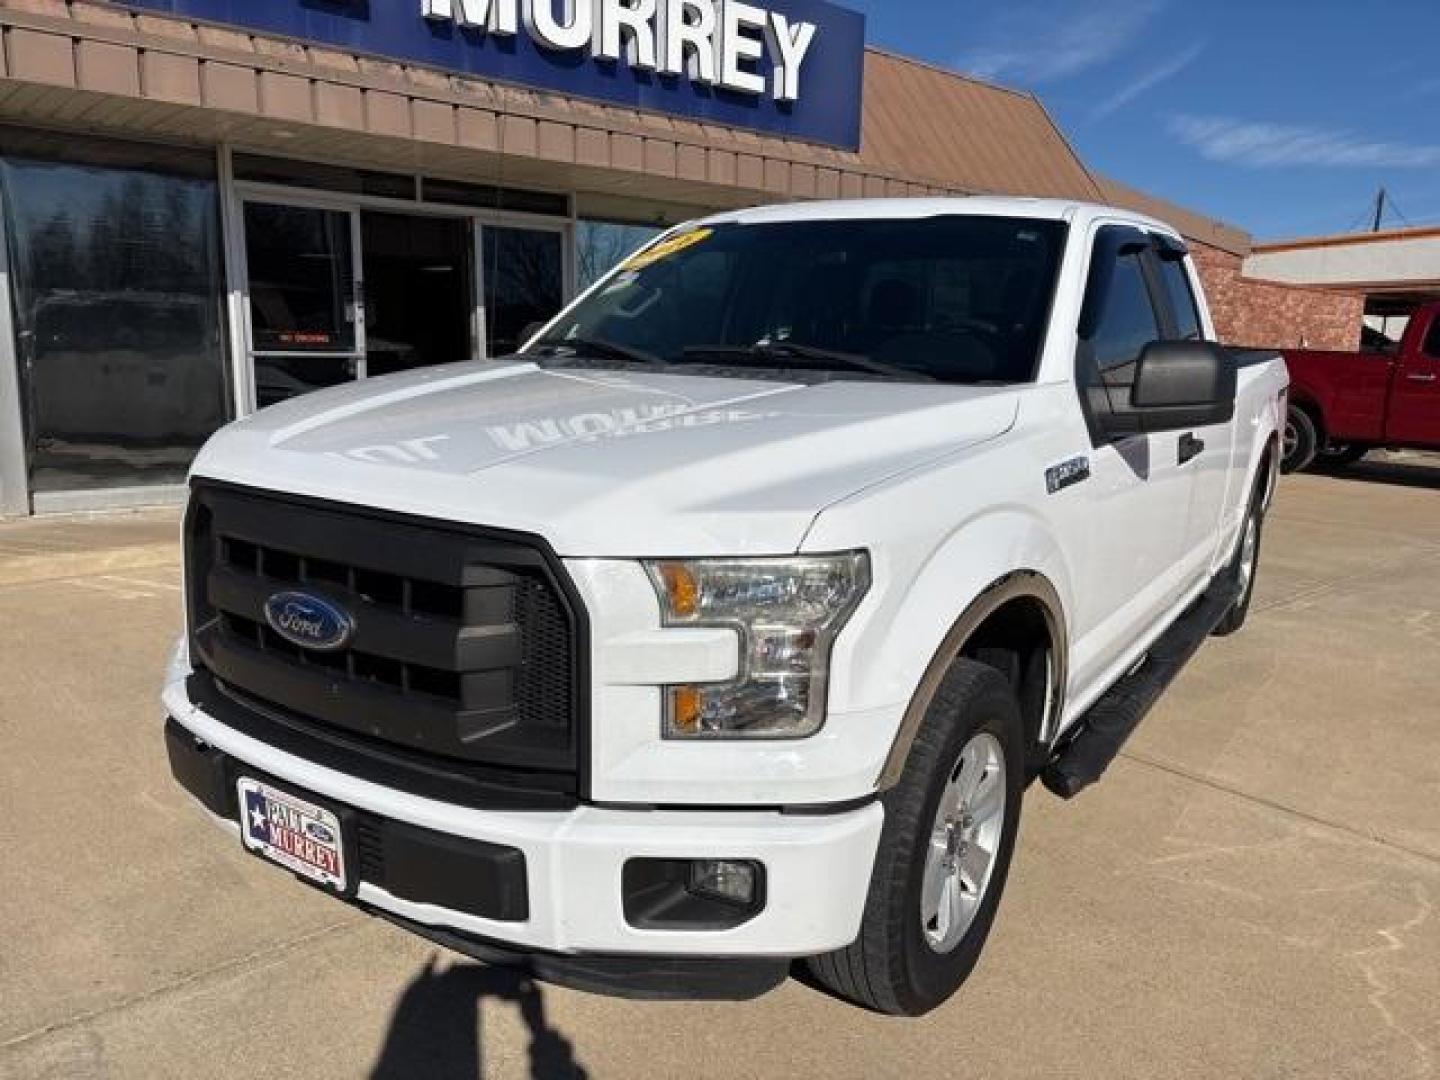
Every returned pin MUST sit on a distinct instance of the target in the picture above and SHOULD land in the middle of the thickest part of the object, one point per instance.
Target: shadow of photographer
(437, 1030)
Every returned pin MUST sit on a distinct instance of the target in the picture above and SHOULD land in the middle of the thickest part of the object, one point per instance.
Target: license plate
(297, 834)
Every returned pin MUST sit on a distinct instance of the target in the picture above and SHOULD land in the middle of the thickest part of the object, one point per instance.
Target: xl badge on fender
(1067, 474)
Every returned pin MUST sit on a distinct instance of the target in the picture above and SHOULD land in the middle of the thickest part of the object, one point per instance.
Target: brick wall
(1264, 314)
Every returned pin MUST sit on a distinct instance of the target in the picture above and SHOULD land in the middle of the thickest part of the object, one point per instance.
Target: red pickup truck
(1343, 404)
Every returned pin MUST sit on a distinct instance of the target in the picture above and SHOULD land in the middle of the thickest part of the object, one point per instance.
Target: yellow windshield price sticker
(667, 248)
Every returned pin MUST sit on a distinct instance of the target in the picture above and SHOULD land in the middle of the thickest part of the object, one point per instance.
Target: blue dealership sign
(792, 68)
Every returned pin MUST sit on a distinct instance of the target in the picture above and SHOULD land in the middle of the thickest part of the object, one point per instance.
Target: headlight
(787, 612)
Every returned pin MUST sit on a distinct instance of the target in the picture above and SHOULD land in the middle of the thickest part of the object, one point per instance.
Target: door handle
(1190, 447)
(1422, 378)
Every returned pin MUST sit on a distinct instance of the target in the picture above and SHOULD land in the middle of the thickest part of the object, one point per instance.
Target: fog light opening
(707, 895)
(727, 880)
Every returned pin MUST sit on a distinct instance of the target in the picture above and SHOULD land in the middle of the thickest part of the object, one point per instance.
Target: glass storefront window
(524, 283)
(602, 245)
(117, 294)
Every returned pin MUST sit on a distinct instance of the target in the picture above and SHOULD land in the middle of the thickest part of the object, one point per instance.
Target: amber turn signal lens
(681, 588)
(685, 708)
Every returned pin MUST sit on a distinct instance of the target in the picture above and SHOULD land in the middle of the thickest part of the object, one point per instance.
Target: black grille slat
(466, 643)
(381, 630)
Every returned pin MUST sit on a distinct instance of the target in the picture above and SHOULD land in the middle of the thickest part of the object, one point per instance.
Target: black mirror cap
(1181, 384)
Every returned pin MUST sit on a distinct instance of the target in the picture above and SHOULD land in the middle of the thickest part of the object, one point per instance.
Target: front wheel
(944, 854)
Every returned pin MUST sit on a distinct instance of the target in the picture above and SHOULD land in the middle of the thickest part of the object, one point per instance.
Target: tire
(1302, 441)
(1245, 566)
(893, 966)
(1339, 455)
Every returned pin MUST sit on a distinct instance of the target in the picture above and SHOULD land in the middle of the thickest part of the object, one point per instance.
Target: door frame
(235, 193)
(14, 451)
(248, 352)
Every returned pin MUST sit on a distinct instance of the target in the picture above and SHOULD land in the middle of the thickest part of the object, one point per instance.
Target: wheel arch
(1270, 454)
(1028, 591)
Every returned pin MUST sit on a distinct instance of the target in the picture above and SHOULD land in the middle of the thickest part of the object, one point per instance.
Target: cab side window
(1431, 348)
(1182, 298)
(1121, 316)
(1127, 322)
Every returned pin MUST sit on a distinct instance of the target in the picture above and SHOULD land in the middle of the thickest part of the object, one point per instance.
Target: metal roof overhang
(99, 67)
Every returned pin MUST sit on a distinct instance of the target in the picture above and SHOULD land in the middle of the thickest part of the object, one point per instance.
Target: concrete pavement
(1251, 891)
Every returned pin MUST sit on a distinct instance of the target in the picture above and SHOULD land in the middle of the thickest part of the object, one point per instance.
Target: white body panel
(574, 860)
(944, 487)
(604, 464)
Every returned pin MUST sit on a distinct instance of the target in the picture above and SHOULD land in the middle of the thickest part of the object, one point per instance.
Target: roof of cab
(902, 209)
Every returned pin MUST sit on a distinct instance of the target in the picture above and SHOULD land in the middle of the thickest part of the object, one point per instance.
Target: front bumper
(817, 866)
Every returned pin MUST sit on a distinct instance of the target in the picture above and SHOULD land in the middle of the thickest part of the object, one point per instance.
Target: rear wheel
(944, 854)
(1302, 441)
(1246, 563)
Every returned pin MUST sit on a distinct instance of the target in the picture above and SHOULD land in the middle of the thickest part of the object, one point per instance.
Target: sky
(1284, 117)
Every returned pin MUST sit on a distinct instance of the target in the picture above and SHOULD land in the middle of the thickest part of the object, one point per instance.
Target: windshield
(953, 299)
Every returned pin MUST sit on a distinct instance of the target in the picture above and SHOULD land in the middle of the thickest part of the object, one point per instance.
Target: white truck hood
(606, 464)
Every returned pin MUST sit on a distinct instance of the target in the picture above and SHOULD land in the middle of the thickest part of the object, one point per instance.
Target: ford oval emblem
(309, 621)
(322, 833)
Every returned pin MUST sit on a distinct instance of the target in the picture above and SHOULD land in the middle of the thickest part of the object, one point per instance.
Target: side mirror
(1182, 384)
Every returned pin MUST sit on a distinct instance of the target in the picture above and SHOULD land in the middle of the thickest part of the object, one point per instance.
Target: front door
(1415, 400)
(305, 308)
(1130, 523)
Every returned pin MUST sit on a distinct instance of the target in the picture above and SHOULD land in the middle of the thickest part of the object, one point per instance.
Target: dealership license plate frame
(342, 883)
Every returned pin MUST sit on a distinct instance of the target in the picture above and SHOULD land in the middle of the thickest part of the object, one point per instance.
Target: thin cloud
(1422, 89)
(1036, 44)
(1261, 145)
(1147, 81)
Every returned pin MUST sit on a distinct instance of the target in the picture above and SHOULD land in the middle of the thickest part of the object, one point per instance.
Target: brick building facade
(1248, 311)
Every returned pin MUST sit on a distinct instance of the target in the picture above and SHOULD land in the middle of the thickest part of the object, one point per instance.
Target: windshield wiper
(810, 356)
(599, 348)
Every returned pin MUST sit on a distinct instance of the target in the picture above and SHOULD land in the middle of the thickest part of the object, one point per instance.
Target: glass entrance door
(340, 290)
(307, 319)
(419, 290)
(524, 283)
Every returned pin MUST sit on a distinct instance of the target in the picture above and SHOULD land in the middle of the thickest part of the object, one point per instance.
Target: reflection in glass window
(524, 283)
(602, 245)
(117, 296)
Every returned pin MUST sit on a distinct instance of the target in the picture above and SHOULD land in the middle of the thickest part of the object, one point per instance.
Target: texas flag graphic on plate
(296, 834)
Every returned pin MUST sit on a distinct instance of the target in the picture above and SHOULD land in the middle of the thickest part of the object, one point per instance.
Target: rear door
(1415, 399)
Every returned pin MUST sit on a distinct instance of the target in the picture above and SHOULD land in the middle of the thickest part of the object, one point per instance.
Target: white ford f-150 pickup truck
(727, 623)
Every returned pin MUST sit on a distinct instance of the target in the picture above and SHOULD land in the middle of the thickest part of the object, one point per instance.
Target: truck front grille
(467, 647)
